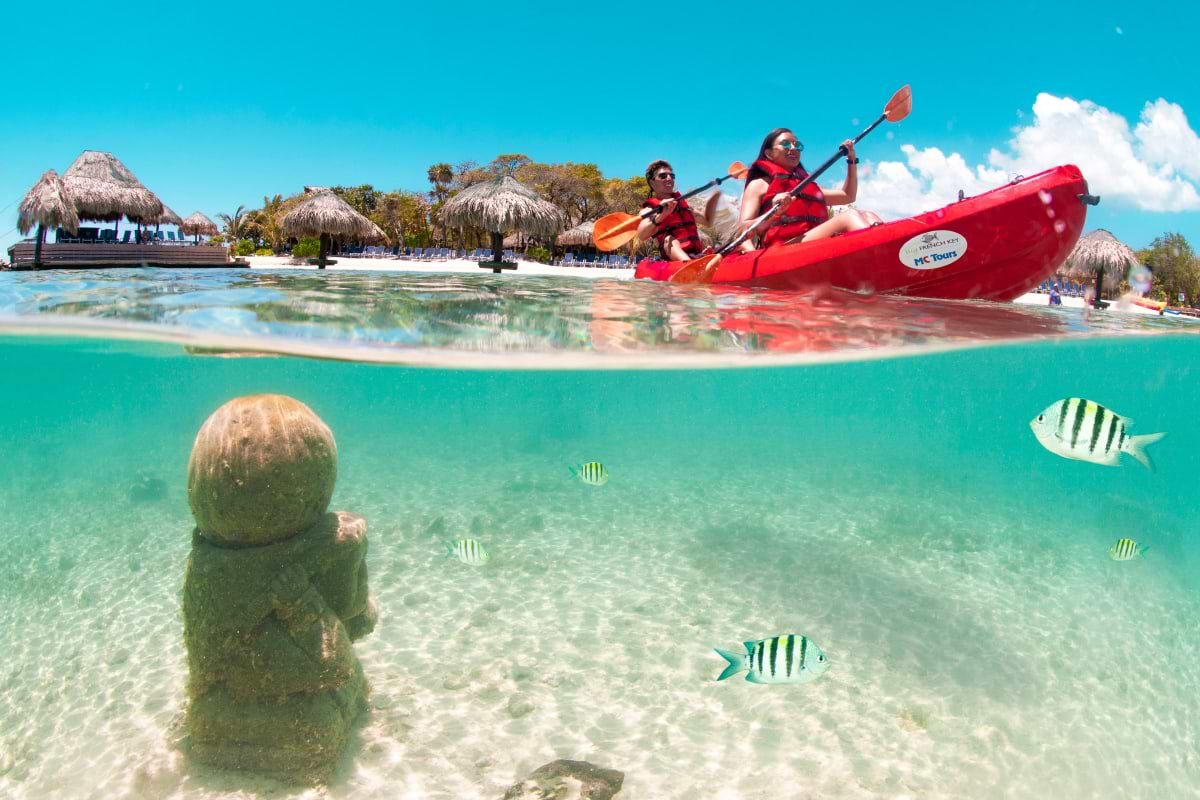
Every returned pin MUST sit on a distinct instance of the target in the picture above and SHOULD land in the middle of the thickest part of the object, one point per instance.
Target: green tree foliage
(272, 228)
(363, 199)
(308, 247)
(233, 223)
(1171, 258)
(404, 217)
(413, 219)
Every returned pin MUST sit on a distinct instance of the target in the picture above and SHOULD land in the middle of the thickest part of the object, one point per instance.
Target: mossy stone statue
(274, 595)
(262, 469)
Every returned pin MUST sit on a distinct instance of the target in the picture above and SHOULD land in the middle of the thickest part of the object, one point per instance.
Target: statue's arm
(308, 619)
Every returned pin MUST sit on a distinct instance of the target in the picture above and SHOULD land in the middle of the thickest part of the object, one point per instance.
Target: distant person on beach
(777, 171)
(674, 223)
(1055, 297)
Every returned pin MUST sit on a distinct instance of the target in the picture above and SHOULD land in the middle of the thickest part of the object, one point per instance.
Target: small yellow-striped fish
(469, 551)
(592, 473)
(790, 658)
(1085, 431)
(1126, 550)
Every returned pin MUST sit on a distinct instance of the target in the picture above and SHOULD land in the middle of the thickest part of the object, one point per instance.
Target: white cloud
(1166, 138)
(1147, 168)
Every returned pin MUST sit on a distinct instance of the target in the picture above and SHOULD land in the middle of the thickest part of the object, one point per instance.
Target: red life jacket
(803, 214)
(680, 224)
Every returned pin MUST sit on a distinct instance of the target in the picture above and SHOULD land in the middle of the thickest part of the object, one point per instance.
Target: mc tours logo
(933, 250)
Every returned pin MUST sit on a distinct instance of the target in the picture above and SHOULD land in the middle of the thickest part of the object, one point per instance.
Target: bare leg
(675, 251)
(852, 220)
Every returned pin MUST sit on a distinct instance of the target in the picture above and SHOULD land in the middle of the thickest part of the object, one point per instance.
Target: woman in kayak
(775, 173)
(673, 224)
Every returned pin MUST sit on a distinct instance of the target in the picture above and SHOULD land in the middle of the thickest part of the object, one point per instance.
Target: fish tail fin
(737, 663)
(449, 548)
(1137, 445)
(1142, 550)
(574, 472)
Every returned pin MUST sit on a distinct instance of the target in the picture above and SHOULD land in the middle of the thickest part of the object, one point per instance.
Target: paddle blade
(738, 170)
(615, 229)
(710, 271)
(900, 105)
(693, 271)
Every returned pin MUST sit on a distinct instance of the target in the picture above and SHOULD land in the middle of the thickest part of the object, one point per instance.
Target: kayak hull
(995, 246)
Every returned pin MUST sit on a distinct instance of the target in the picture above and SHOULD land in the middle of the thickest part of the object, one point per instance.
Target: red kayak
(994, 246)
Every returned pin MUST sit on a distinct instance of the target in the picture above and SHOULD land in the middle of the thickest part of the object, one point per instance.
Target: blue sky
(214, 110)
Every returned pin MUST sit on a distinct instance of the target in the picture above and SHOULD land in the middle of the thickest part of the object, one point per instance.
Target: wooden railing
(81, 256)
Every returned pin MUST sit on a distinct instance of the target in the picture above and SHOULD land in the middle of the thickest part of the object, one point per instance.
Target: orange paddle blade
(710, 271)
(900, 105)
(738, 170)
(615, 229)
(693, 271)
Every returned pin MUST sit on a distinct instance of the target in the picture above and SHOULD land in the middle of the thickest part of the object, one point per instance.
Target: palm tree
(270, 221)
(233, 224)
(440, 176)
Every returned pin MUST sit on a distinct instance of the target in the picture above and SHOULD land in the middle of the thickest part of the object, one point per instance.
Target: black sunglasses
(662, 176)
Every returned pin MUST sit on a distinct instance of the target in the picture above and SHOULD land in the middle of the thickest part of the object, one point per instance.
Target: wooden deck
(88, 256)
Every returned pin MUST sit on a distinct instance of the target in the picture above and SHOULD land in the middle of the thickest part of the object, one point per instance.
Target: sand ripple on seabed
(972, 656)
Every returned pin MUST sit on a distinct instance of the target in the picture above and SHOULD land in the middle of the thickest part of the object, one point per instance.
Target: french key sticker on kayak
(933, 250)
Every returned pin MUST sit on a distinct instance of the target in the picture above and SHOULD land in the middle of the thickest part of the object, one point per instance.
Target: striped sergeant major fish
(592, 473)
(789, 658)
(1085, 431)
(469, 551)
(1126, 550)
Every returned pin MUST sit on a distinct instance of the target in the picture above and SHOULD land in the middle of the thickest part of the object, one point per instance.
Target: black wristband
(848, 161)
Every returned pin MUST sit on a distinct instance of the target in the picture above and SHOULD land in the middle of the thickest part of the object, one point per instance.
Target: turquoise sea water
(898, 511)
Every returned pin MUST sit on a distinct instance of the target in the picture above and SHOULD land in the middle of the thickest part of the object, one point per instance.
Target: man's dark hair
(654, 167)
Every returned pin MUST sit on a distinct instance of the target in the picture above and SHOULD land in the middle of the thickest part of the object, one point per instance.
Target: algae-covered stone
(262, 469)
(568, 780)
(274, 595)
(273, 682)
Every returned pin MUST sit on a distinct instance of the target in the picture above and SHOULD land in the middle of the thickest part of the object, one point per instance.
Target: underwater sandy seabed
(899, 514)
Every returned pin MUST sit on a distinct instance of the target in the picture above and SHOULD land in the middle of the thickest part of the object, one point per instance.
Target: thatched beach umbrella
(198, 225)
(502, 205)
(47, 205)
(326, 215)
(167, 217)
(105, 190)
(579, 236)
(1097, 253)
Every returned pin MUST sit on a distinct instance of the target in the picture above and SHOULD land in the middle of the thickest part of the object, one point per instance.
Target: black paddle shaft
(804, 184)
(714, 182)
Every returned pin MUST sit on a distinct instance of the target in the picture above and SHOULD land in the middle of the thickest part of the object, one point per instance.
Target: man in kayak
(777, 171)
(673, 224)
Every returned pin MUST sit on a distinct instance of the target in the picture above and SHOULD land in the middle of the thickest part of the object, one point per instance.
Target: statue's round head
(262, 470)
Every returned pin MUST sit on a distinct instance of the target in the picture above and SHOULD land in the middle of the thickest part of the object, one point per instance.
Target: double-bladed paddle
(615, 229)
(701, 270)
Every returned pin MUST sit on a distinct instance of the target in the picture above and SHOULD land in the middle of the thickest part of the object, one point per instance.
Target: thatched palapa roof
(167, 217)
(325, 212)
(579, 236)
(104, 189)
(1100, 249)
(48, 204)
(199, 225)
(502, 205)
